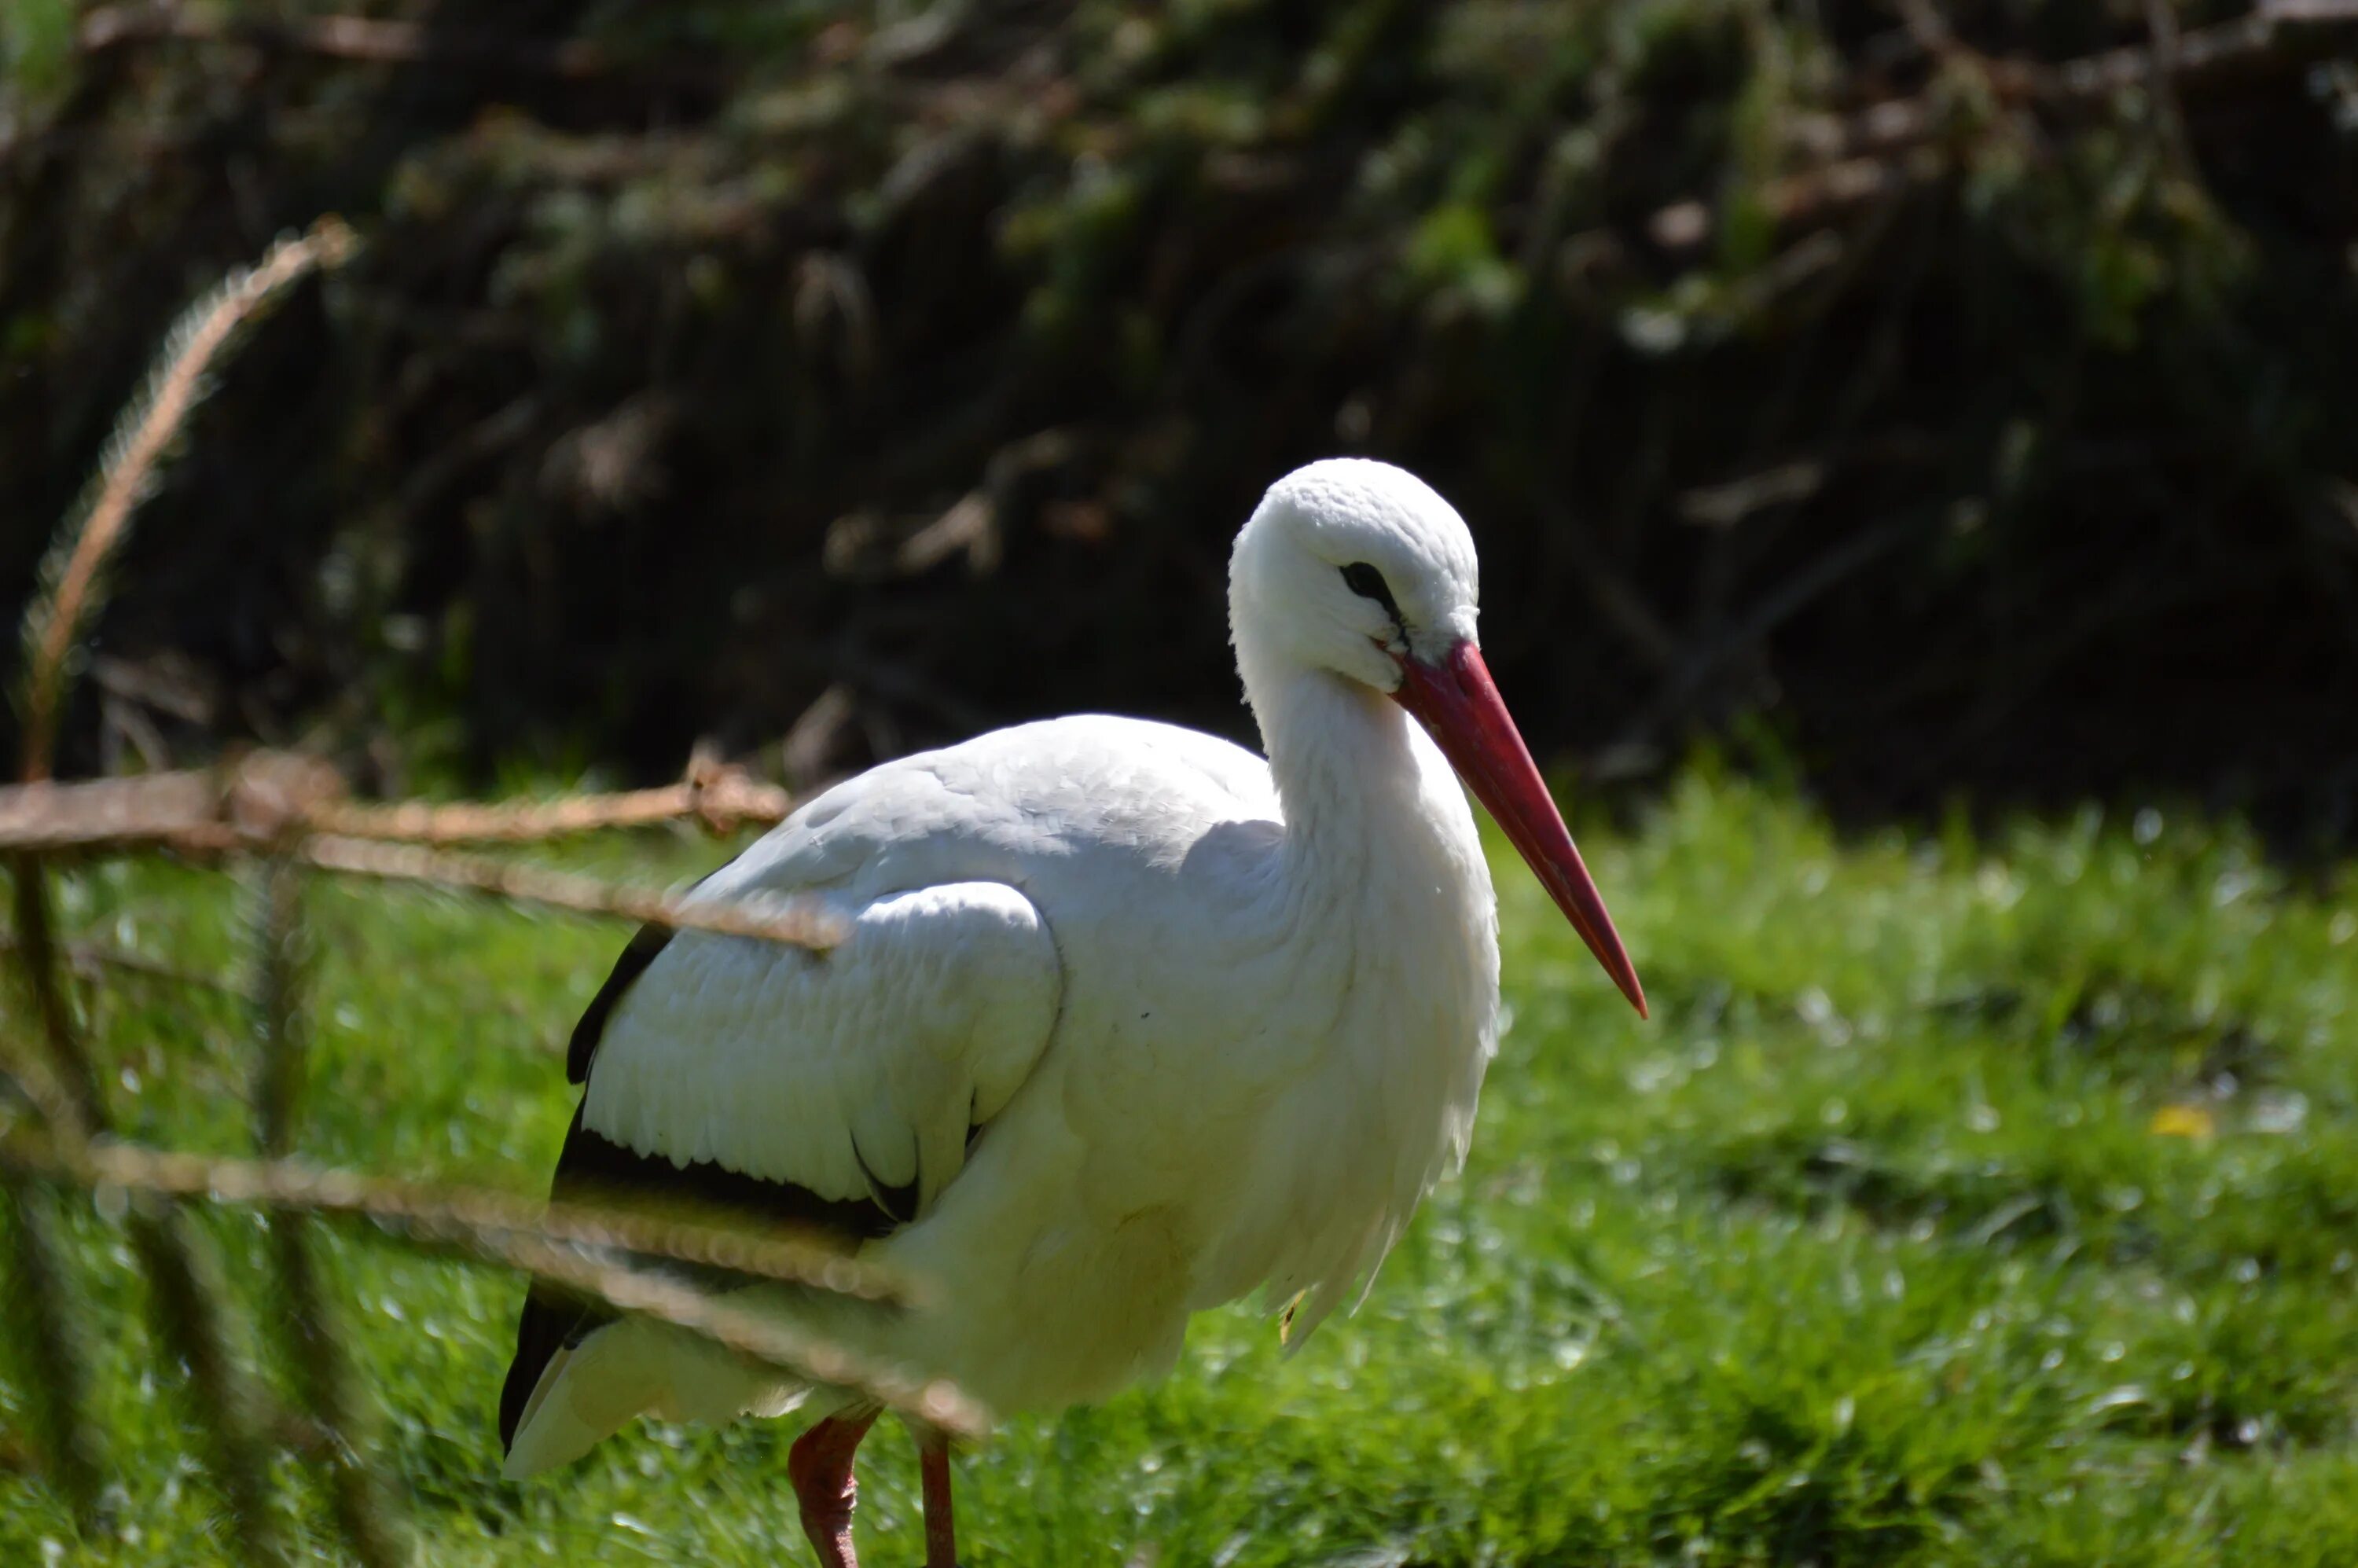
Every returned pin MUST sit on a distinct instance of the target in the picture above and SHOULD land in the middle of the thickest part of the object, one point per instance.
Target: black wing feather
(593, 1169)
(582, 1049)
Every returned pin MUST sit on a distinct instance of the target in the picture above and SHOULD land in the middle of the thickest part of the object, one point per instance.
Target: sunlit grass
(1967, 1201)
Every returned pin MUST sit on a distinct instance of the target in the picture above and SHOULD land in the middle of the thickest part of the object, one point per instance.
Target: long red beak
(1461, 709)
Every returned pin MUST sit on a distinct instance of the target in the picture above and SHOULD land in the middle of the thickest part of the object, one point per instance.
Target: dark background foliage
(1875, 380)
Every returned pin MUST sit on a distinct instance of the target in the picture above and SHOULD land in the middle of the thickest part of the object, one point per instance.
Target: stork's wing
(836, 1090)
(855, 1073)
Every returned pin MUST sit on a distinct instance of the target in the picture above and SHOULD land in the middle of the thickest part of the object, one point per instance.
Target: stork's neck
(1394, 970)
(1361, 797)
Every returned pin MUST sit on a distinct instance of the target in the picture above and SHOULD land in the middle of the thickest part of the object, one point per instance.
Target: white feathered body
(1209, 1048)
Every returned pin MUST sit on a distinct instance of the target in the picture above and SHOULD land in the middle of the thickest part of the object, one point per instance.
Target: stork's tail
(549, 1331)
(587, 1391)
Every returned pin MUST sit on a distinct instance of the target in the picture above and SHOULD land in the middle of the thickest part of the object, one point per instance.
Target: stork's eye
(1369, 583)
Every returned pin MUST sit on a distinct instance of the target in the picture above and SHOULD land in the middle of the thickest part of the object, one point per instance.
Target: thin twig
(802, 920)
(184, 1301)
(30, 1085)
(279, 972)
(2169, 113)
(1791, 596)
(723, 799)
(184, 1307)
(37, 952)
(465, 1216)
(93, 960)
(54, 1373)
(73, 574)
(357, 1499)
(751, 1334)
(195, 814)
(106, 814)
(561, 1247)
(1615, 597)
(262, 795)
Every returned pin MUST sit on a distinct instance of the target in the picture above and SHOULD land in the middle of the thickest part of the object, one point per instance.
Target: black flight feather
(593, 1169)
(582, 1049)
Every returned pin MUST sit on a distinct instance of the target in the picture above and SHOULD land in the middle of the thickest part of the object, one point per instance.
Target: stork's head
(1359, 568)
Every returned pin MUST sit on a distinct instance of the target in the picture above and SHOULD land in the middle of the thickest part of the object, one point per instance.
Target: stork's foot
(819, 1465)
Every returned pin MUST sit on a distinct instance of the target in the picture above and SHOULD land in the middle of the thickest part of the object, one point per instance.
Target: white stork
(1130, 1022)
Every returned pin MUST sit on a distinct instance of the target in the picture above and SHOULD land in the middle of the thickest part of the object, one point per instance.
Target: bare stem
(563, 1247)
(185, 1302)
(357, 1496)
(73, 576)
(91, 961)
(54, 1373)
(461, 1216)
(723, 798)
(185, 1307)
(803, 920)
(38, 962)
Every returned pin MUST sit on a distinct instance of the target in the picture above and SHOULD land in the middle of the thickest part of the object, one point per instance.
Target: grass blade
(188, 1316)
(73, 574)
(34, 1304)
(307, 1338)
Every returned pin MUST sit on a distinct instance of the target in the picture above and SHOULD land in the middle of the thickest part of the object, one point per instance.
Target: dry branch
(763, 1338)
(559, 1245)
(265, 794)
(73, 574)
(270, 801)
(464, 1215)
(803, 920)
(253, 802)
(104, 813)
(723, 799)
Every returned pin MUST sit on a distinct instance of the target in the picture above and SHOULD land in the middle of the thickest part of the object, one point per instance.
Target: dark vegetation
(868, 375)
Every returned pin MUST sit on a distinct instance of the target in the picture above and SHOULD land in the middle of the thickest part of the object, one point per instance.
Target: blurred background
(1934, 399)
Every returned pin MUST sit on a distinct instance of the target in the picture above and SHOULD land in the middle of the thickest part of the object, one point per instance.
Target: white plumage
(1132, 1022)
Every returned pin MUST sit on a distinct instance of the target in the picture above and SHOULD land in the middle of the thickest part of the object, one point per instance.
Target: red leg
(819, 1465)
(941, 1532)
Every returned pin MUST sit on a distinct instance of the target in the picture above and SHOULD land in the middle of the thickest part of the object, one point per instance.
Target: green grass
(1868, 1249)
